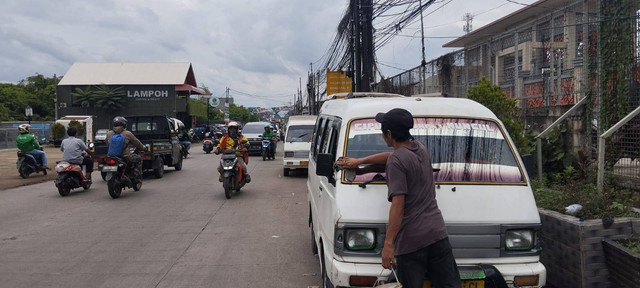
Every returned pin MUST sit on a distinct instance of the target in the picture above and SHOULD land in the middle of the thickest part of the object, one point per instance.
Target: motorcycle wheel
(114, 188)
(104, 176)
(137, 185)
(208, 151)
(22, 173)
(63, 190)
(227, 188)
(87, 186)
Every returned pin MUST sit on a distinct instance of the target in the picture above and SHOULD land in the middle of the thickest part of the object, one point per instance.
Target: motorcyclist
(269, 133)
(120, 127)
(184, 138)
(72, 152)
(231, 141)
(28, 144)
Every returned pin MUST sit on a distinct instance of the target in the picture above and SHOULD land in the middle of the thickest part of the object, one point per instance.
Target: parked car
(101, 135)
(481, 188)
(297, 143)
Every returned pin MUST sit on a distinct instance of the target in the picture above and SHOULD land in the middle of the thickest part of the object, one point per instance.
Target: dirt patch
(9, 176)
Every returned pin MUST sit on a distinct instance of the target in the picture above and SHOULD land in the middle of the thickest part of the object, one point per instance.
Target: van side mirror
(325, 165)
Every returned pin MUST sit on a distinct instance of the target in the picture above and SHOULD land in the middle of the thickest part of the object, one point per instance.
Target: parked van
(297, 143)
(481, 185)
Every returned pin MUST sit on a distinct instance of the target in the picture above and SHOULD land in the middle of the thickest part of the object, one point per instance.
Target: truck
(158, 134)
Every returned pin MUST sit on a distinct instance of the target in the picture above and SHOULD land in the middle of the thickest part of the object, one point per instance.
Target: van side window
(326, 136)
(335, 133)
(317, 134)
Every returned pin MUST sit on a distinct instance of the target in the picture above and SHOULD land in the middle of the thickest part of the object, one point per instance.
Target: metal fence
(9, 132)
(548, 63)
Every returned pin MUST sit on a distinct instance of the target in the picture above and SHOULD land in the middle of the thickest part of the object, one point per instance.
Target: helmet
(24, 128)
(233, 124)
(119, 121)
(267, 126)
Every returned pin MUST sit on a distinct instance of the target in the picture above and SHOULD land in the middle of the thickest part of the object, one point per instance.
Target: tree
(79, 126)
(83, 97)
(108, 98)
(505, 108)
(57, 131)
(241, 113)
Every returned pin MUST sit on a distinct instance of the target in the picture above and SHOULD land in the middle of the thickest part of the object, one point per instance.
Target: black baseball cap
(396, 118)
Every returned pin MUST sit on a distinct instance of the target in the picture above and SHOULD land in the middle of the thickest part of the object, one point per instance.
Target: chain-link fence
(549, 61)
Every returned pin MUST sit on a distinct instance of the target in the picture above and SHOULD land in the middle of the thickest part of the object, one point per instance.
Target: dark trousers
(435, 260)
(88, 164)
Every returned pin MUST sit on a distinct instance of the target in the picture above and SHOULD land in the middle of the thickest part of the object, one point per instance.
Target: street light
(28, 112)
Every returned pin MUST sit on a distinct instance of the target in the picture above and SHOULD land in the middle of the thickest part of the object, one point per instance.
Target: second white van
(297, 143)
(481, 188)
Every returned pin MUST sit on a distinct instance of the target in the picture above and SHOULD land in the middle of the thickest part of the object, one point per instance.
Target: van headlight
(519, 240)
(288, 154)
(360, 239)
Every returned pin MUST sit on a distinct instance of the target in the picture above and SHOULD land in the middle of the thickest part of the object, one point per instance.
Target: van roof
(432, 106)
(311, 118)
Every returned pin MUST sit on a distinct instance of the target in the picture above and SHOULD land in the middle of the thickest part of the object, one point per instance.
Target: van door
(327, 185)
(313, 182)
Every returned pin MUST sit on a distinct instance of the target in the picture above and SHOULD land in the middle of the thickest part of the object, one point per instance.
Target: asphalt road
(178, 231)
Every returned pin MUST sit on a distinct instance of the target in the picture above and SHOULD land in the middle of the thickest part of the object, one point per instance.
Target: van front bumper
(340, 272)
(296, 163)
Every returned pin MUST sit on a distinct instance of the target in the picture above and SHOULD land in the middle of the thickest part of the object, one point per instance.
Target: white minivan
(297, 143)
(482, 190)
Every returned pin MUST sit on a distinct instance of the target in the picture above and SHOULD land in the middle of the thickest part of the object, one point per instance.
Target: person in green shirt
(28, 144)
(269, 133)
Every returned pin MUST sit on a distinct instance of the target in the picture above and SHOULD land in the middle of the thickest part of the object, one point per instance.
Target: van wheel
(326, 283)
(286, 171)
(178, 165)
(159, 172)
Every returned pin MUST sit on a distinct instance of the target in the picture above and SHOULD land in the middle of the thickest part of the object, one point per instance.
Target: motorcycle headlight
(519, 240)
(360, 239)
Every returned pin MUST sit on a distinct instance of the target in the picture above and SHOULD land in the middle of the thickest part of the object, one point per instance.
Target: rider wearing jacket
(28, 144)
(233, 140)
(120, 127)
(269, 133)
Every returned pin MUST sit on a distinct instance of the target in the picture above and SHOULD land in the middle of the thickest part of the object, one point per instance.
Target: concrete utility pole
(467, 18)
(367, 45)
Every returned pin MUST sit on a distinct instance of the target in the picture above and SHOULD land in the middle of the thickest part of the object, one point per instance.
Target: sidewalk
(9, 176)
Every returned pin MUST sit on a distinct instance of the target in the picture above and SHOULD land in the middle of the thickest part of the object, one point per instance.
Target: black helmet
(120, 121)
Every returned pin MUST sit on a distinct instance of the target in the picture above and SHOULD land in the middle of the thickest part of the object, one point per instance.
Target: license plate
(465, 284)
(109, 168)
(304, 163)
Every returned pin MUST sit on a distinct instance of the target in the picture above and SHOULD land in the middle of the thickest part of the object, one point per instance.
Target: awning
(193, 89)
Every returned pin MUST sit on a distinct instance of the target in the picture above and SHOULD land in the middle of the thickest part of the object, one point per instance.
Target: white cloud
(258, 47)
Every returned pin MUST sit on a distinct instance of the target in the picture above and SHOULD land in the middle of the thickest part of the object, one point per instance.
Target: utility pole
(424, 61)
(367, 45)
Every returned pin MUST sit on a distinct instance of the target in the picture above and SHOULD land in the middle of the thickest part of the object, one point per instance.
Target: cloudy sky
(258, 48)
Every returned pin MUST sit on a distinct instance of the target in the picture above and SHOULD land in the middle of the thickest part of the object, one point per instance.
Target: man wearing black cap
(416, 239)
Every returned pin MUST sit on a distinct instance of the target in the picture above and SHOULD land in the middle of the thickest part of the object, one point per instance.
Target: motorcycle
(207, 145)
(231, 173)
(119, 175)
(28, 164)
(268, 151)
(70, 176)
(184, 153)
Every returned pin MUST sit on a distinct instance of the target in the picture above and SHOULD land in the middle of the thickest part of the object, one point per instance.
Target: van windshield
(253, 128)
(300, 133)
(465, 150)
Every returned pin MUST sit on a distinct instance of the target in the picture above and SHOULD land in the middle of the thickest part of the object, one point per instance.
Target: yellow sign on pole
(338, 82)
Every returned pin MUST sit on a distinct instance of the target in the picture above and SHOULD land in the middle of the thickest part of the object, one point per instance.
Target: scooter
(28, 164)
(184, 153)
(268, 152)
(70, 176)
(207, 145)
(119, 175)
(231, 173)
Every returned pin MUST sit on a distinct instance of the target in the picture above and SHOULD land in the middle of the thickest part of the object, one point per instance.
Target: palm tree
(109, 99)
(83, 97)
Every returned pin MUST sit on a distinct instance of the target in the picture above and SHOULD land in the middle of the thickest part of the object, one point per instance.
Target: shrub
(57, 132)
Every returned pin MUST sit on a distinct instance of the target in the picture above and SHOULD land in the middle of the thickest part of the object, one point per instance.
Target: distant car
(253, 131)
(101, 135)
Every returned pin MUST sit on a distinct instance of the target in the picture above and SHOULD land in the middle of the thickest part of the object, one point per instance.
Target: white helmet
(233, 124)
(24, 128)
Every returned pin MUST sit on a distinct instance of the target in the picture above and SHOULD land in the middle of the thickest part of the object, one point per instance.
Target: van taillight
(110, 161)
